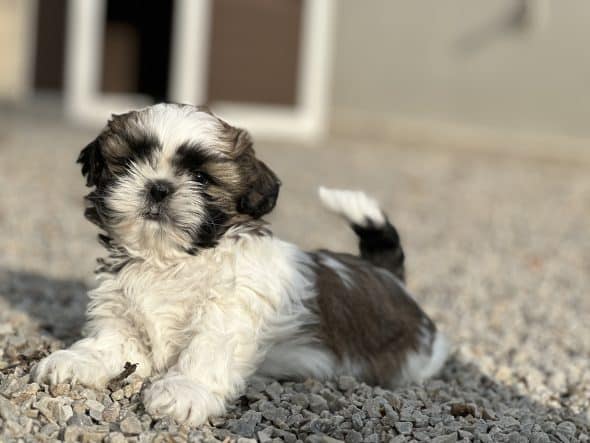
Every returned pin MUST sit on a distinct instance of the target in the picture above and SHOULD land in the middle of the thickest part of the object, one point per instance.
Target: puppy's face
(174, 178)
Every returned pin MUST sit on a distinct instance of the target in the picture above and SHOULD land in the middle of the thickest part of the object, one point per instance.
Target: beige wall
(14, 47)
(460, 61)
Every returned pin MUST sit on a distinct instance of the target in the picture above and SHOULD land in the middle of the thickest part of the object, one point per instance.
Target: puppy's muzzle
(158, 193)
(160, 190)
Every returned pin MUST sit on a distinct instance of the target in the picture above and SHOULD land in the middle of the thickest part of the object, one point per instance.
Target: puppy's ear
(93, 163)
(262, 194)
(263, 184)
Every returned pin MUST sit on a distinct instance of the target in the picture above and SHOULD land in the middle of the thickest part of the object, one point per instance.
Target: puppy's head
(174, 178)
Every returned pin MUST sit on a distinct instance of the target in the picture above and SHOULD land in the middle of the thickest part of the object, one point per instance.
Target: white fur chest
(252, 280)
(164, 303)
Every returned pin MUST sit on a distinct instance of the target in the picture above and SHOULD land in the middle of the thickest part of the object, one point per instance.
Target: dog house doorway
(136, 48)
(271, 78)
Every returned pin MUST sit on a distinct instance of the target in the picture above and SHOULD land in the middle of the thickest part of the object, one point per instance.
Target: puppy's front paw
(71, 366)
(182, 399)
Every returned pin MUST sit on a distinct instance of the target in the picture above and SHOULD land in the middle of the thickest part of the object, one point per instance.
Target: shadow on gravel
(57, 305)
(463, 400)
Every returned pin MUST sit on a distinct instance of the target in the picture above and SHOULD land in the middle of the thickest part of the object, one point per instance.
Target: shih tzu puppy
(197, 290)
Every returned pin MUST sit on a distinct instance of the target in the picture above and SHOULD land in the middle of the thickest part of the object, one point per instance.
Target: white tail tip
(355, 206)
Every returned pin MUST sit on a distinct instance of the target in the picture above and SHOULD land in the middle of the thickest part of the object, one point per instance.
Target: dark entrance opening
(50, 46)
(136, 51)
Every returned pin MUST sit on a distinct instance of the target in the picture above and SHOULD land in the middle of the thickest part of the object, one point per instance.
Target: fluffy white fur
(205, 323)
(176, 125)
(210, 319)
(355, 206)
(428, 361)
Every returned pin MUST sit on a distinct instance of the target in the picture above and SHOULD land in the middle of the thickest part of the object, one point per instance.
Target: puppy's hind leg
(296, 360)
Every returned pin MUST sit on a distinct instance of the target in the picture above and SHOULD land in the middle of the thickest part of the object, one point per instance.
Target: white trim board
(188, 70)
(83, 100)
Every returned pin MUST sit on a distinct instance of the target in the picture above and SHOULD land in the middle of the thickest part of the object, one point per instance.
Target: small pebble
(59, 389)
(131, 425)
(110, 414)
(403, 427)
(317, 403)
(115, 437)
(118, 395)
(79, 420)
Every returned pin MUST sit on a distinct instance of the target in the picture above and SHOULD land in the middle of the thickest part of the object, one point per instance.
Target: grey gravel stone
(95, 409)
(449, 438)
(271, 412)
(300, 399)
(375, 407)
(265, 435)
(516, 437)
(90, 434)
(246, 425)
(115, 437)
(55, 409)
(131, 425)
(50, 430)
(59, 389)
(321, 439)
(354, 437)
(287, 437)
(317, 403)
(357, 421)
(111, 413)
(346, 382)
(274, 391)
(403, 427)
(118, 395)
(322, 426)
(567, 428)
(79, 420)
(8, 411)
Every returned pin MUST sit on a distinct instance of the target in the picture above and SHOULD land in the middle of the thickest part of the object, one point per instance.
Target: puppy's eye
(202, 178)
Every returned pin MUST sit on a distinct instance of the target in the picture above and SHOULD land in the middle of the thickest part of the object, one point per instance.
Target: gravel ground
(498, 253)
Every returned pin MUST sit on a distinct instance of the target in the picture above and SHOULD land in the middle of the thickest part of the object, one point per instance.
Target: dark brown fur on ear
(263, 184)
(94, 167)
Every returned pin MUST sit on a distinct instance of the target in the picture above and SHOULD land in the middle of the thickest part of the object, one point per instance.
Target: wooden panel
(121, 58)
(254, 51)
(50, 41)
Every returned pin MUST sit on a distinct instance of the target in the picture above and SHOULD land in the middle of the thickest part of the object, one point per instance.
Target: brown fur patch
(371, 320)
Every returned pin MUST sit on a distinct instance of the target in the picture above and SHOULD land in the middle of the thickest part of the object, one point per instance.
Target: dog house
(261, 64)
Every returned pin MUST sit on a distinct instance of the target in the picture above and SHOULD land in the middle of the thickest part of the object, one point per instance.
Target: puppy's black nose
(160, 190)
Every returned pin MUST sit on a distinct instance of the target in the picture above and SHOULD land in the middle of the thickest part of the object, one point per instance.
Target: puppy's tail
(379, 241)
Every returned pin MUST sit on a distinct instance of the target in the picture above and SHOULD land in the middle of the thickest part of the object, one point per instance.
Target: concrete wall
(467, 61)
(14, 47)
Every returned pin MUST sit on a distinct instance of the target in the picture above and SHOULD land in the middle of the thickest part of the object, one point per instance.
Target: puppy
(197, 290)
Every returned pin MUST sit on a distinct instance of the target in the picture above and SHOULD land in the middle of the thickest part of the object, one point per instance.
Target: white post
(85, 28)
(190, 51)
